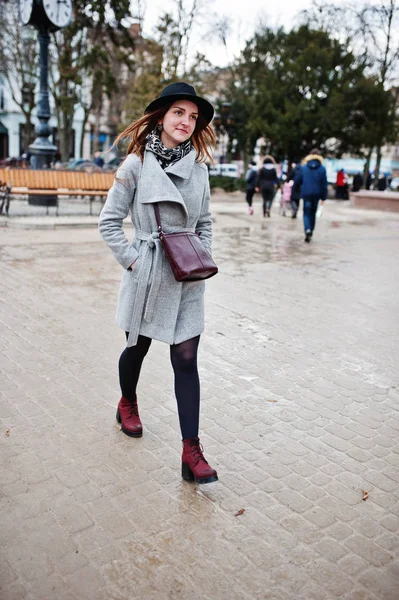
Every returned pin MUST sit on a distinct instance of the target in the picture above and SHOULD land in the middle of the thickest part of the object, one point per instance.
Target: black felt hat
(182, 91)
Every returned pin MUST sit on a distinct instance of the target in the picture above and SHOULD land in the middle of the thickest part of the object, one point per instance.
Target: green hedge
(228, 184)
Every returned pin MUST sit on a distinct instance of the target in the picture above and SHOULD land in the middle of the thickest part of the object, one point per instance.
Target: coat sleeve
(298, 182)
(204, 223)
(116, 208)
(324, 185)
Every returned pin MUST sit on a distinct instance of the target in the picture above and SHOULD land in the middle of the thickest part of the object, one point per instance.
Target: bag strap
(158, 217)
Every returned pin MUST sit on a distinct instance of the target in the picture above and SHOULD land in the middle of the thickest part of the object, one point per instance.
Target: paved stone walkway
(300, 417)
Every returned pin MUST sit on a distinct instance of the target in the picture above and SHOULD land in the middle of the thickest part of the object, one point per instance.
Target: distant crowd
(306, 181)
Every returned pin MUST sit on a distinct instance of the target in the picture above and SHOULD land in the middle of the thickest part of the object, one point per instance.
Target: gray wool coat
(151, 302)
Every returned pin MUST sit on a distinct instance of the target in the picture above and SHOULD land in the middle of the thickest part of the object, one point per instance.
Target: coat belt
(151, 258)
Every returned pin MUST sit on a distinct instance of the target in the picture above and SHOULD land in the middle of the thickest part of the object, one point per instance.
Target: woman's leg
(187, 388)
(130, 363)
(264, 198)
(272, 193)
(187, 385)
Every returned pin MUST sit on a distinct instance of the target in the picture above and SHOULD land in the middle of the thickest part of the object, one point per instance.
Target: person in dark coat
(296, 191)
(382, 183)
(251, 178)
(268, 183)
(369, 181)
(312, 181)
(357, 182)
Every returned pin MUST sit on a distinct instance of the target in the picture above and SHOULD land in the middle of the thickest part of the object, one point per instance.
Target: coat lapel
(155, 184)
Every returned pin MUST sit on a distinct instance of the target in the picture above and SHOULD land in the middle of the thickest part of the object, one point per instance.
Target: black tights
(187, 386)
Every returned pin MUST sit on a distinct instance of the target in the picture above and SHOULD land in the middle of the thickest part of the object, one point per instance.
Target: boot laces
(134, 410)
(197, 453)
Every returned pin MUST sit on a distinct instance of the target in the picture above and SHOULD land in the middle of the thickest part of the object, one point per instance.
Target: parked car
(80, 164)
(394, 184)
(114, 163)
(224, 170)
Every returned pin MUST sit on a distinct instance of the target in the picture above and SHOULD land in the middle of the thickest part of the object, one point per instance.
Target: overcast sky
(245, 16)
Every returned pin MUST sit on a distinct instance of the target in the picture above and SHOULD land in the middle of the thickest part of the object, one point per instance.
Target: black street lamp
(46, 16)
(42, 150)
(223, 123)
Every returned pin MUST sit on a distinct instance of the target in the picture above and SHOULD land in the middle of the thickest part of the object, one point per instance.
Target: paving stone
(319, 517)
(368, 550)
(390, 522)
(382, 585)
(296, 425)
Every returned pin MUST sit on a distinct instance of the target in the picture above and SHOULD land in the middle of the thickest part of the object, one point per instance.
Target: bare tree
(19, 64)
(380, 26)
(372, 31)
(175, 31)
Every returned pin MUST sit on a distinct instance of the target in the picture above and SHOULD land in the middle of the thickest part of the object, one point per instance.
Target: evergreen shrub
(228, 184)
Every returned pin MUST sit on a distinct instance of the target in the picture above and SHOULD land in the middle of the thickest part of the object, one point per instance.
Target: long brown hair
(203, 137)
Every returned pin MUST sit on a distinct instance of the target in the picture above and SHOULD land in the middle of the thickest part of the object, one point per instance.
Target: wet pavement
(300, 401)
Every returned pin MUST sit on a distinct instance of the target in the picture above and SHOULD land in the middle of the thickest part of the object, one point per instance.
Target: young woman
(164, 165)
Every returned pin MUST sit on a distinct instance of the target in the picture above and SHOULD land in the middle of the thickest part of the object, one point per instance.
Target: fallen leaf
(271, 400)
(7, 432)
(240, 512)
(365, 495)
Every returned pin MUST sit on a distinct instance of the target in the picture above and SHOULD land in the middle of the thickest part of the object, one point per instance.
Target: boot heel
(118, 417)
(186, 472)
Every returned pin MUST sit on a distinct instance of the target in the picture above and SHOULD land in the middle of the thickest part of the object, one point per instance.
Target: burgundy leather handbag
(186, 254)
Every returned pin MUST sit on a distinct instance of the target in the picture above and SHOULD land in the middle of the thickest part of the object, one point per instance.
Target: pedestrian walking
(369, 180)
(164, 168)
(312, 182)
(286, 195)
(295, 191)
(268, 183)
(98, 159)
(357, 182)
(341, 185)
(251, 177)
(382, 183)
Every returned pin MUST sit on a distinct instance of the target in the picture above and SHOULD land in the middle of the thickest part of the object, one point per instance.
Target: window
(27, 96)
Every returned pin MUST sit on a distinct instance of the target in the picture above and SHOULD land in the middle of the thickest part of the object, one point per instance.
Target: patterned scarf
(166, 156)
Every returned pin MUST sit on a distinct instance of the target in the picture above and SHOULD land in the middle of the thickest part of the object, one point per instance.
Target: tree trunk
(65, 135)
(367, 167)
(86, 112)
(377, 165)
(28, 131)
(96, 129)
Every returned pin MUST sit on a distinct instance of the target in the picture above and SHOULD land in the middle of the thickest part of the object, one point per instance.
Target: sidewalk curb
(40, 223)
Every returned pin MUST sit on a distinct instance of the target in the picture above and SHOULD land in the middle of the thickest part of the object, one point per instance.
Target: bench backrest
(52, 179)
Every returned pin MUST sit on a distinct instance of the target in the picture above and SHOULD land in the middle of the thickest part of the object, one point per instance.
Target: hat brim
(206, 109)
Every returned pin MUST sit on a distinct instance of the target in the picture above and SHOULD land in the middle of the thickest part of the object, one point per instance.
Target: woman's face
(178, 123)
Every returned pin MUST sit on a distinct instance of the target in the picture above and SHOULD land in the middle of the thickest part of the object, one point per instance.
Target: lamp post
(42, 150)
(46, 16)
(224, 125)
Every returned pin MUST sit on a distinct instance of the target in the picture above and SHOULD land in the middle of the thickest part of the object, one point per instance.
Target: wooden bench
(51, 182)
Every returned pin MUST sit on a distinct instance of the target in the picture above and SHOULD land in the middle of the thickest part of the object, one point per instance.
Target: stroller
(286, 197)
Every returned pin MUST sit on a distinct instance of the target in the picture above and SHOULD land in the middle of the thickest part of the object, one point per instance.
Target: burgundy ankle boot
(194, 466)
(128, 416)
